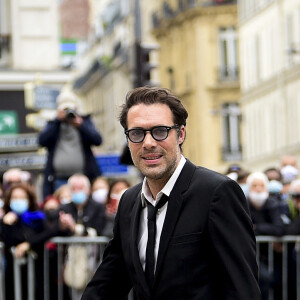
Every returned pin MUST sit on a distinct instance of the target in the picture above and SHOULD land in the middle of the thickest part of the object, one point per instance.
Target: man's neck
(155, 186)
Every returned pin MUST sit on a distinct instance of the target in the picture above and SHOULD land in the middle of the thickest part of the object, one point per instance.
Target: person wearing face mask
(88, 216)
(264, 210)
(289, 172)
(100, 188)
(266, 217)
(23, 227)
(116, 190)
(63, 194)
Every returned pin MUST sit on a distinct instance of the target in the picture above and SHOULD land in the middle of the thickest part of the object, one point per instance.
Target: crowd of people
(80, 207)
(274, 202)
(74, 198)
(77, 208)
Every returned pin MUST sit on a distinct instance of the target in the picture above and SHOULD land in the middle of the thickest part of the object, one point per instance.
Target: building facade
(198, 60)
(107, 70)
(270, 80)
(29, 53)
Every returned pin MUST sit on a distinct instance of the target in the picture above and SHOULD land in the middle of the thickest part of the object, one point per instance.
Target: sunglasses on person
(159, 133)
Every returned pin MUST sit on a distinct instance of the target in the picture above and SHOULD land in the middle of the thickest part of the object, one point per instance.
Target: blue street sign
(45, 97)
(110, 165)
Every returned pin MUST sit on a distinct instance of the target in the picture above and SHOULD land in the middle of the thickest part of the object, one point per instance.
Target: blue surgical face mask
(275, 187)
(245, 188)
(79, 197)
(19, 206)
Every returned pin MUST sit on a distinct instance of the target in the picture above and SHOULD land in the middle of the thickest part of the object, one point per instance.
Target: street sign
(38, 96)
(45, 97)
(8, 122)
(24, 160)
(19, 142)
(110, 165)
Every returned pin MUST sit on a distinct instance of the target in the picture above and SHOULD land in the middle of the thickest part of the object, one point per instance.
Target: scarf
(33, 219)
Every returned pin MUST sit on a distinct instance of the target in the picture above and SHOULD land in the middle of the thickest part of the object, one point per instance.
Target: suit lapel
(173, 211)
(134, 231)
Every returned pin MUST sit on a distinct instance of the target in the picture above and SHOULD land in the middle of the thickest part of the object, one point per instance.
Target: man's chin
(153, 173)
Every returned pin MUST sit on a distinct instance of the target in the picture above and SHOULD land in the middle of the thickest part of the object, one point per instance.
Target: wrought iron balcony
(169, 11)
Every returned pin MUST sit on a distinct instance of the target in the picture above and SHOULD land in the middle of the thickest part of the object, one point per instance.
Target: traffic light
(143, 64)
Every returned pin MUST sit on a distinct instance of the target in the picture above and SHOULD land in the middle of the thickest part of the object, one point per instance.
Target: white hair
(81, 177)
(294, 184)
(13, 172)
(257, 175)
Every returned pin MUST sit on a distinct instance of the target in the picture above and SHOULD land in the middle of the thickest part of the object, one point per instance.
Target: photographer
(68, 138)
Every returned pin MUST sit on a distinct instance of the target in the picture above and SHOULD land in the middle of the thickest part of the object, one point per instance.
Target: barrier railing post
(60, 271)
(17, 263)
(270, 266)
(284, 271)
(2, 273)
(297, 249)
(46, 273)
(31, 256)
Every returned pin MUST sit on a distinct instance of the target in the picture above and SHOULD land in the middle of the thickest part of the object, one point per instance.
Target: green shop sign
(8, 122)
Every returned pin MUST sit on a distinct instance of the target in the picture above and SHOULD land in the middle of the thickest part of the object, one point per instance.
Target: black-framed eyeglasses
(159, 133)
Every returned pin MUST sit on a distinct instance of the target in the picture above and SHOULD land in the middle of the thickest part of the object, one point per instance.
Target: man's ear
(182, 134)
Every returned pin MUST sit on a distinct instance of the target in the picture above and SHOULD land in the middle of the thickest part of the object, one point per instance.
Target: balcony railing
(228, 73)
(169, 11)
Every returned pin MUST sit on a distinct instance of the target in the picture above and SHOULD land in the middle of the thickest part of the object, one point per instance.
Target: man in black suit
(200, 243)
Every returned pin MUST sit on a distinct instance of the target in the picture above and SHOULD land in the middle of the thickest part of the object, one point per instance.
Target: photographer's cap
(67, 100)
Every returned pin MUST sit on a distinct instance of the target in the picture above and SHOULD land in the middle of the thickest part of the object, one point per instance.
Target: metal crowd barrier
(29, 259)
(286, 248)
(98, 243)
(282, 254)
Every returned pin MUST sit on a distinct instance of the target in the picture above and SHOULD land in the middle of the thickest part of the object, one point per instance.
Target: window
(228, 67)
(4, 32)
(231, 119)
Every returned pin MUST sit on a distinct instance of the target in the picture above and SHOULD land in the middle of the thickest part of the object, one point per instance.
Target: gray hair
(82, 177)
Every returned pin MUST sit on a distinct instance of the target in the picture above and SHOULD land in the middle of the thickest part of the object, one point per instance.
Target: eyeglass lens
(158, 133)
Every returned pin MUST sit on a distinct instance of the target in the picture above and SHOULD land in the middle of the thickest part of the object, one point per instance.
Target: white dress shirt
(160, 218)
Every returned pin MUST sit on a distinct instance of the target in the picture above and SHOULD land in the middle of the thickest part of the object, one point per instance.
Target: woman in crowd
(63, 194)
(266, 217)
(100, 188)
(116, 190)
(22, 229)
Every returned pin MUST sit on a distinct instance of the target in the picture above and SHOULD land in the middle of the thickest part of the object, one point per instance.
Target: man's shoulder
(133, 191)
(204, 174)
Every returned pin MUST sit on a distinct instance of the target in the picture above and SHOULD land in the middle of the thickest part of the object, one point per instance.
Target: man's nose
(149, 141)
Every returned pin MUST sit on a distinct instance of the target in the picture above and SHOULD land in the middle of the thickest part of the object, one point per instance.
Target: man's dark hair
(152, 95)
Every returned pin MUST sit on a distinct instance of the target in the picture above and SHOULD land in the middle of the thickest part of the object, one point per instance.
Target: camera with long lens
(70, 114)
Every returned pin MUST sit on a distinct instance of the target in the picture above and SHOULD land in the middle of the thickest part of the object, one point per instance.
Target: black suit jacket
(207, 245)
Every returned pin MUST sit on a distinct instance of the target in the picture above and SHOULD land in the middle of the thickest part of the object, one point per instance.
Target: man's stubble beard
(165, 173)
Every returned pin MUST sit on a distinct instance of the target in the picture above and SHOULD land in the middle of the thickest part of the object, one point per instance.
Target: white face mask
(258, 199)
(100, 195)
(65, 200)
